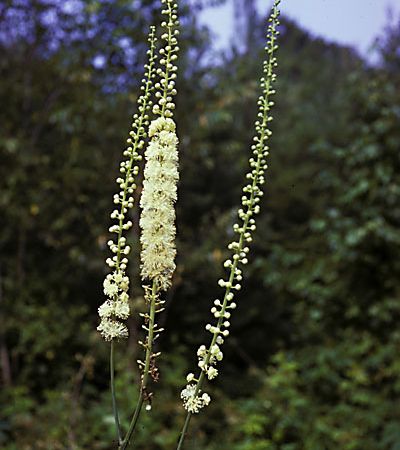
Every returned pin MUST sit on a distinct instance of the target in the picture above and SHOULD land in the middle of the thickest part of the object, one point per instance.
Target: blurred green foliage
(313, 359)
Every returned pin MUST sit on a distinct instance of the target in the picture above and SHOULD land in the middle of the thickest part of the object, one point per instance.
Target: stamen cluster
(193, 401)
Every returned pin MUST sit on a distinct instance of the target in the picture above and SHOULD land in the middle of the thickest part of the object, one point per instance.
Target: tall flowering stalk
(194, 399)
(116, 284)
(157, 220)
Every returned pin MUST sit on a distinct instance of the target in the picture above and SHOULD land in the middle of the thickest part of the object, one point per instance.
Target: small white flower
(214, 350)
(106, 309)
(193, 405)
(124, 297)
(122, 309)
(220, 340)
(112, 329)
(192, 402)
(110, 289)
(167, 138)
(206, 399)
(118, 276)
(159, 124)
(190, 377)
(189, 391)
(124, 284)
(212, 373)
(202, 351)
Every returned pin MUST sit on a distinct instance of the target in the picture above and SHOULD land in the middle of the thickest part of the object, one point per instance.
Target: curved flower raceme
(159, 194)
(116, 284)
(192, 395)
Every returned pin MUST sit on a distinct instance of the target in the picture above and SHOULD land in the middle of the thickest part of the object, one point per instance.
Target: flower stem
(146, 370)
(184, 430)
(114, 398)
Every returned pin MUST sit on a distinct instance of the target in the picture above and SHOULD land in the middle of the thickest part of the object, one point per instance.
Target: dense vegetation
(313, 363)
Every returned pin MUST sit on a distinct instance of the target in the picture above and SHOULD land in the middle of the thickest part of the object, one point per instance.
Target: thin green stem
(146, 370)
(184, 431)
(114, 398)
